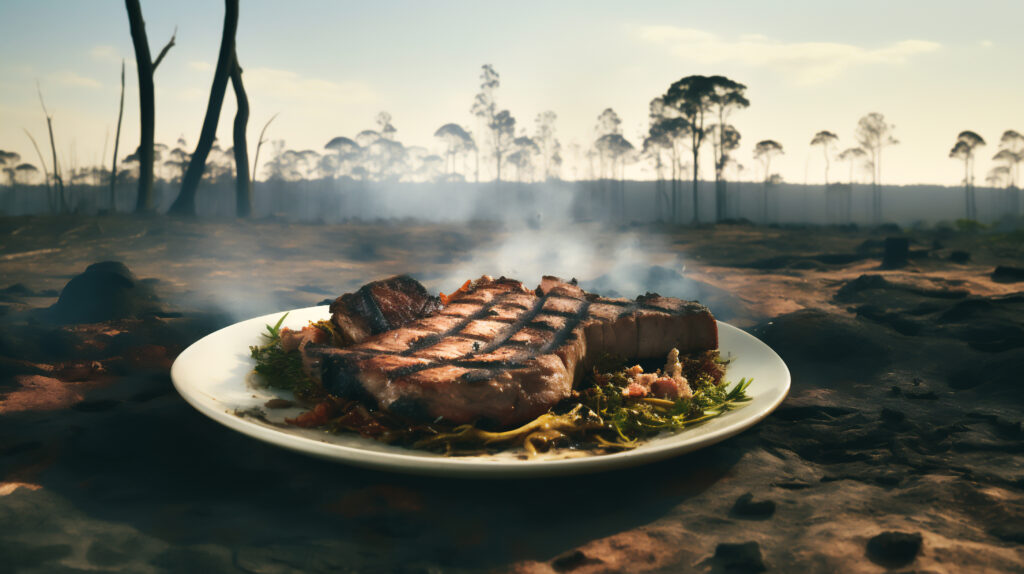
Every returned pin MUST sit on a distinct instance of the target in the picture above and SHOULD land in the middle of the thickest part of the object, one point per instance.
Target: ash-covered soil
(899, 449)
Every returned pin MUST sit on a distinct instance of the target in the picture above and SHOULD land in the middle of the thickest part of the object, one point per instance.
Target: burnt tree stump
(897, 252)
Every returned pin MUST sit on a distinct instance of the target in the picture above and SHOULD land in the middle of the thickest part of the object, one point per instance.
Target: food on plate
(496, 363)
(505, 354)
(381, 306)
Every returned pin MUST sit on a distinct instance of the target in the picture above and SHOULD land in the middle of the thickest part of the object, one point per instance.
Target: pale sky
(932, 68)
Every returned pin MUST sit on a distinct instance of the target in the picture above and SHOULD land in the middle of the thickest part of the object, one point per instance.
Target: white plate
(214, 376)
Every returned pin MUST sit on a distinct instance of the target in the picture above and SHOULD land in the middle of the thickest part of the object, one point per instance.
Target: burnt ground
(899, 448)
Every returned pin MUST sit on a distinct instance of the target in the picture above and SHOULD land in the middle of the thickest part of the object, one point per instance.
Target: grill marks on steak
(504, 354)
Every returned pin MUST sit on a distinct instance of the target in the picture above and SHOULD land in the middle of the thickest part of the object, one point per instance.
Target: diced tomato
(634, 390)
(317, 416)
(665, 388)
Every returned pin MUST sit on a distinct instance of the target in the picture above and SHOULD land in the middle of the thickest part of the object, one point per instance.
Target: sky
(327, 68)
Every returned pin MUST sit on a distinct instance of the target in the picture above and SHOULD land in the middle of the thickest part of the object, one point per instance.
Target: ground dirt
(899, 448)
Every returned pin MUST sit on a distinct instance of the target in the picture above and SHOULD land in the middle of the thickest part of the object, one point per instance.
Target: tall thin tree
(874, 134)
(764, 151)
(243, 185)
(185, 204)
(58, 179)
(726, 95)
(827, 140)
(966, 142)
(146, 67)
(691, 98)
(117, 142)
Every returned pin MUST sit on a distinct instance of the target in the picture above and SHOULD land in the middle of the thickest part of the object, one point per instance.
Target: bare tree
(57, 177)
(243, 185)
(51, 201)
(146, 67)
(966, 142)
(874, 134)
(185, 204)
(117, 143)
(259, 144)
(827, 140)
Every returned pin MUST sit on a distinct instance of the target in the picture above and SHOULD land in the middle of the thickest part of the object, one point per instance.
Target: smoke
(605, 260)
(247, 269)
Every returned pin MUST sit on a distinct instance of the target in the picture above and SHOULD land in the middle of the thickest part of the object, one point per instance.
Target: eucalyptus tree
(346, 151)
(827, 140)
(503, 129)
(544, 135)
(966, 142)
(725, 139)
(765, 151)
(1011, 152)
(387, 129)
(726, 96)
(654, 148)
(387, 160)
(521, 156)
(1007, 170)
(700, 100)
(874, 134)
(615, 151)
(24, 172)
(8, 161)
(485, 108)
(456, 140)
(668, 130)
(608, 123)
(998, 176)
(852, 155)
(691, 98)
(177, 162)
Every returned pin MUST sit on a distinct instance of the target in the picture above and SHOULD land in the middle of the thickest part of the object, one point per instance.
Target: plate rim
(460, 466)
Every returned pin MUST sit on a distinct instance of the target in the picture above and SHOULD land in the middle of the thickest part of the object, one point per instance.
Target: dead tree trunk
(145, 66)
(58, 180)
(117, 141)
(243, 185)
(185, 204)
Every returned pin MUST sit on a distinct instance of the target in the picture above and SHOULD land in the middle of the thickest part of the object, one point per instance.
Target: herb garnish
(600, 416)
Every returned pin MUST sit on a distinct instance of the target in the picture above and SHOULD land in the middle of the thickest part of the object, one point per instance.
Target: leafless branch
(170, 44)
(259, 144)
(46, 175)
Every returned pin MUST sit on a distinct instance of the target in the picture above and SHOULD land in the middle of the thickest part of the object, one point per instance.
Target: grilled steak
(381, 306)
(502, 354)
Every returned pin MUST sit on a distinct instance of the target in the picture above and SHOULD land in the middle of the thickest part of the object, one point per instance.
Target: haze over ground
(328, 68)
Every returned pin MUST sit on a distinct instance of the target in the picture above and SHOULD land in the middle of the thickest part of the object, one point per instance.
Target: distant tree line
(693, 114)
